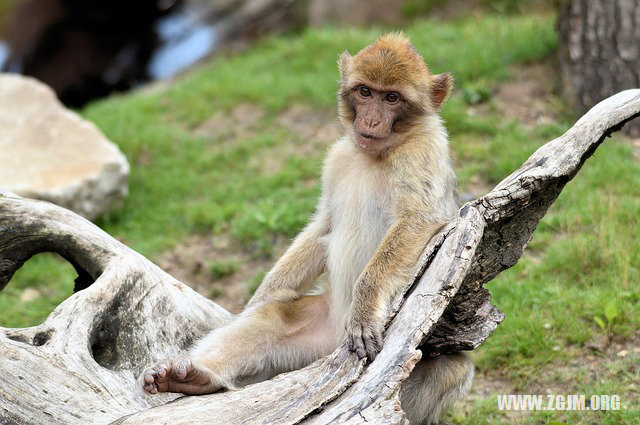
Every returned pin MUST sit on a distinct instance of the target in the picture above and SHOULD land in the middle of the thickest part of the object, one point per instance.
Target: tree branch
(81, 364)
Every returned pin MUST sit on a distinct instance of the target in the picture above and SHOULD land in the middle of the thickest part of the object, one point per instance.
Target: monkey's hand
(364, 336)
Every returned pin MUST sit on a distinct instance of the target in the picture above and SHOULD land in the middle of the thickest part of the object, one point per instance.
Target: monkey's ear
(441, 85)
(344, 64)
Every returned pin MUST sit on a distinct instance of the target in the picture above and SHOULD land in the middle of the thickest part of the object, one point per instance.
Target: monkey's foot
(178, 376)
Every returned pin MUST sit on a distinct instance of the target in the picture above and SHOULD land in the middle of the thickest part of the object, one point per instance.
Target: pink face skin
(375, 113)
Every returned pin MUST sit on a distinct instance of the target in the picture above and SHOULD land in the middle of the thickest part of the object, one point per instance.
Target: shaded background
(224, 110)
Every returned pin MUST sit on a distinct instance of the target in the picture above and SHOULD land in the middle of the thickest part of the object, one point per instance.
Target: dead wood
(81, 365)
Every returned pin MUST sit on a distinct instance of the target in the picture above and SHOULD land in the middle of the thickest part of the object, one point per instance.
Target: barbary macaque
(388, 185)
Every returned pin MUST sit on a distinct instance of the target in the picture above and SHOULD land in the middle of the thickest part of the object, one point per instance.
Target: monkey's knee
(434, 385)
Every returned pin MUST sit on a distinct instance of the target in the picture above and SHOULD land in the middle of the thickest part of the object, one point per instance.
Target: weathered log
(81, 365)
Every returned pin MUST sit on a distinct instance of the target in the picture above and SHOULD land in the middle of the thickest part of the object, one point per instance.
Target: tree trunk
(599, 51)
(81, 365)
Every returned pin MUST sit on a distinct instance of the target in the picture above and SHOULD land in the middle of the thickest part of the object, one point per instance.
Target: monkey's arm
(384, 275)
(296, 271)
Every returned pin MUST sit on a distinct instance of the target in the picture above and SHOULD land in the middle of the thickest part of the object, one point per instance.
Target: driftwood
(81, 365)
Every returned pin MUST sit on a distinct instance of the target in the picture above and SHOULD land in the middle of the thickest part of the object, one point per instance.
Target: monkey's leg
(257, 345)
(434, 385)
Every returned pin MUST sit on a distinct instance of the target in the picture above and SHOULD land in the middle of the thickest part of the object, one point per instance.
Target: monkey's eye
(364, 91)
(392, 97)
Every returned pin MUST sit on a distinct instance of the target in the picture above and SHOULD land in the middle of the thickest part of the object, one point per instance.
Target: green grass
(52, 278)
(222, 268)
(583, 259)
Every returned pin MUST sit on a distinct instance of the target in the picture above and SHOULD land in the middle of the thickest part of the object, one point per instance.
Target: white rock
(49, 152)
(29, 294)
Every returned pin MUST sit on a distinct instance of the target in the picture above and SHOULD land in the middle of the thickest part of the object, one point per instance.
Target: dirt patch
(528, 96)
(599, 362)
(449, 10)
(310, 125)
(634, 143)
(486, 384)
(217, 268)
(228, 126)
(310, 132)
(455, 9)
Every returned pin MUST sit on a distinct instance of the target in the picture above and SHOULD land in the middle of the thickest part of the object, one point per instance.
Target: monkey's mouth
(370, 138)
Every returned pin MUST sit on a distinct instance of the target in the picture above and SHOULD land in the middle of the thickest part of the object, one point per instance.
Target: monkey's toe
(154, 379)
(178, 376)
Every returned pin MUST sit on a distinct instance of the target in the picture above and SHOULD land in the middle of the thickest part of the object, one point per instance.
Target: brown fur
(392, 62)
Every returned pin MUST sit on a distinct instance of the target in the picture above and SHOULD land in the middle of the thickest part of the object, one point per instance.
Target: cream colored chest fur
(360, 205)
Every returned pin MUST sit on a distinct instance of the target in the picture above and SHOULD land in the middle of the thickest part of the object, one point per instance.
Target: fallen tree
(81, 365)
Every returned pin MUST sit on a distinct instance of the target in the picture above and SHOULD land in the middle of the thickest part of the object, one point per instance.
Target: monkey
(388, 185)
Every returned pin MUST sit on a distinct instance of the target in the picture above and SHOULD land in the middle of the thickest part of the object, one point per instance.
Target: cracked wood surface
(80, 365)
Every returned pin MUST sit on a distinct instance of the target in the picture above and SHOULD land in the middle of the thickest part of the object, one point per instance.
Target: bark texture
(599, 50)
(81, 365)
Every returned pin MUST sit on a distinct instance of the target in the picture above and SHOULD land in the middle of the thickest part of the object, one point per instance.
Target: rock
(29, 294)
(48, 152)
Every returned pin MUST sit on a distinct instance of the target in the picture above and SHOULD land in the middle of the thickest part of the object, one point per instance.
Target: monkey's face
(376, 113)
(386, 91)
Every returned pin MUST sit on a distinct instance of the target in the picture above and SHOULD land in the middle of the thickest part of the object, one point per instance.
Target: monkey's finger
(379, 341)
(355, 336)
(350, 343)
(370, 346)
(359, 348)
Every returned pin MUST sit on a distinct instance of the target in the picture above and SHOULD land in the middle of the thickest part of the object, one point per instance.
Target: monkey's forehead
(389, 66)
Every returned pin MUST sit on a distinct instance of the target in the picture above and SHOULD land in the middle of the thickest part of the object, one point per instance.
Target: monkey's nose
(371, 122)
